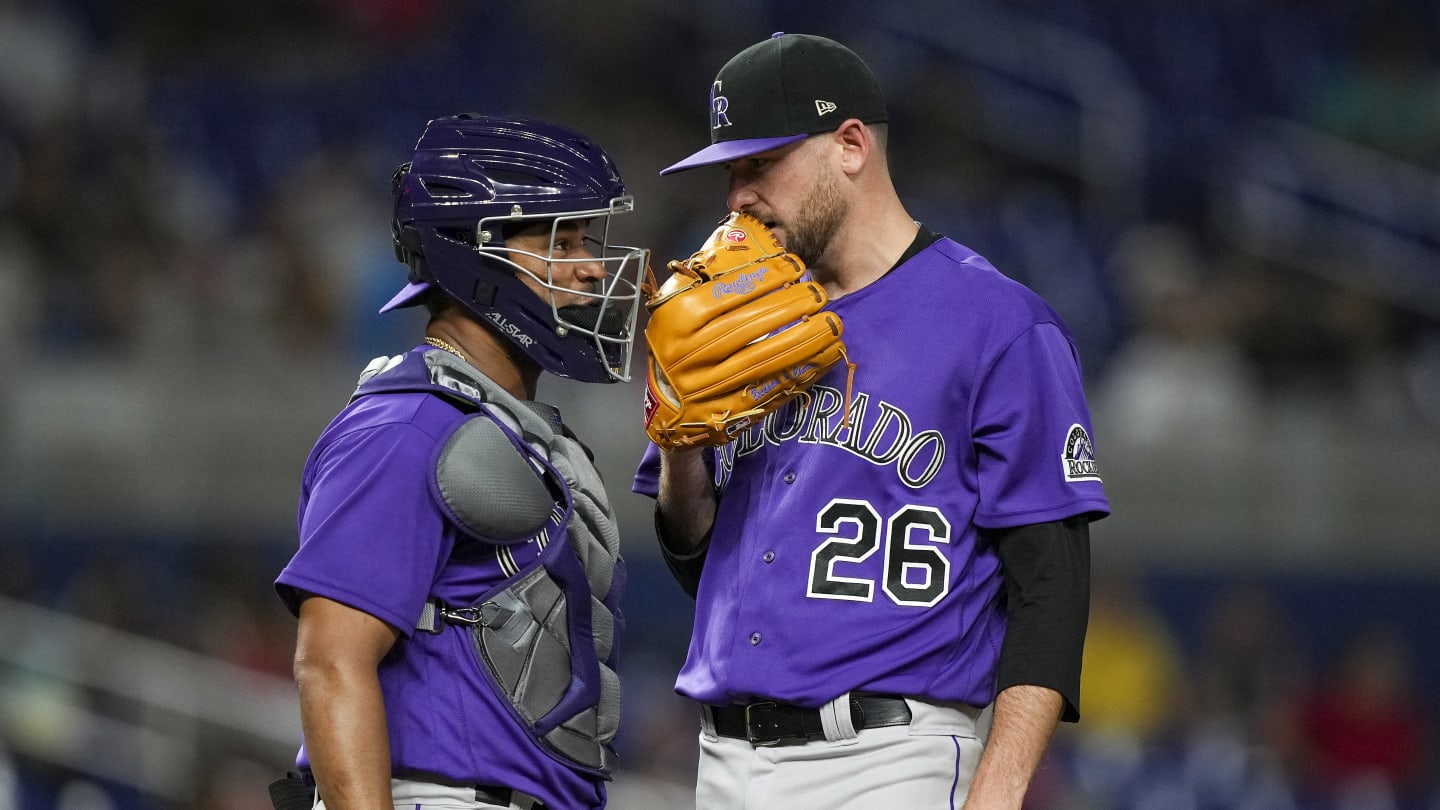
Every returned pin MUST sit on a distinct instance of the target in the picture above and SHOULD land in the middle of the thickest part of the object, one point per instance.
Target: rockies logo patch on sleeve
(1078, 457)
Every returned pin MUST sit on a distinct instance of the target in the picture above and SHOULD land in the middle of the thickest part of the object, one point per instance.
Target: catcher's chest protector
(506, 474)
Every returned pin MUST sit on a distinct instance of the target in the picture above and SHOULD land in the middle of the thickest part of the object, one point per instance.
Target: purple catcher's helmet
(472, 179)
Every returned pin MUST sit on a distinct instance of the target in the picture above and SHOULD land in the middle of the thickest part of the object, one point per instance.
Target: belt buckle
(750, 735)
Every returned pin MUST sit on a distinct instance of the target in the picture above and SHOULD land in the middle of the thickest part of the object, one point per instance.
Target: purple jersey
(373, 537)
(847, 557)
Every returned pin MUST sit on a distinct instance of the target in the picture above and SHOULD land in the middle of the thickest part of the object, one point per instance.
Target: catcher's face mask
(591, 286)
(472, 180)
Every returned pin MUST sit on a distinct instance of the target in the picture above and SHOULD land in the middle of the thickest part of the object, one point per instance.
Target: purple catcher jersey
(373, 537)
(847, 557)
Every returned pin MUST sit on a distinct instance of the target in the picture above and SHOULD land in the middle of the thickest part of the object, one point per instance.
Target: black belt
(767, 722)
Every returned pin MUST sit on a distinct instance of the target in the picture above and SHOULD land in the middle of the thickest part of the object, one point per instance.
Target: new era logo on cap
(781, 90)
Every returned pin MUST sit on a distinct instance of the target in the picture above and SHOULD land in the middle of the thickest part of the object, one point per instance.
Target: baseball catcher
(735, 332)
(458, 579)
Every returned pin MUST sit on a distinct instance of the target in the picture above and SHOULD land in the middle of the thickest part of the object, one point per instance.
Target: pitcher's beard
(820, 218)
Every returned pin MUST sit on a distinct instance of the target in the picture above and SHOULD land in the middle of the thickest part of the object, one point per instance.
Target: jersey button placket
(789, 477)
(743, 613)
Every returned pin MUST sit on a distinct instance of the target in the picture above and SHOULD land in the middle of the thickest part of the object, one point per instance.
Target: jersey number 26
(916, 573)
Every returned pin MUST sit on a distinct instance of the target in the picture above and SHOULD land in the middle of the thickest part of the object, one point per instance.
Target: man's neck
(494, 356)
(866, 252)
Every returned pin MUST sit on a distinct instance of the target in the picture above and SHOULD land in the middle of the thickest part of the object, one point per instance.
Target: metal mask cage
(611, 325)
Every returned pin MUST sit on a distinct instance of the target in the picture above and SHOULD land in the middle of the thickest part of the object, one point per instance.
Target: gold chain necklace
(440, 344)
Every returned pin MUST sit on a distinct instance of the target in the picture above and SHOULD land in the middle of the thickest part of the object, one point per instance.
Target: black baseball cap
(781, 90)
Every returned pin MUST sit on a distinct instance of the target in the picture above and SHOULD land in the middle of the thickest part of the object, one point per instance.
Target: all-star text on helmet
(474, 180)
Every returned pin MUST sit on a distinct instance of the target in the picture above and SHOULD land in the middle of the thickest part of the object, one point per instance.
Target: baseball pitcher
(890, 557)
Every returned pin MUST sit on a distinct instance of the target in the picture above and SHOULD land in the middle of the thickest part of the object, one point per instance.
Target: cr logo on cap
(718, 106)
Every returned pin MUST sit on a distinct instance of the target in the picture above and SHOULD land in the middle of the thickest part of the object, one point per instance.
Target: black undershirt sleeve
(1047, 594)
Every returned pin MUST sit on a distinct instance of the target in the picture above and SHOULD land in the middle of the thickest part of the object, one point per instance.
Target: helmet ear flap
(406, 240)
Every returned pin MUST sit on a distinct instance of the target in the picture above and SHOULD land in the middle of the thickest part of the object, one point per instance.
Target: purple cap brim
(407, 297)
(732, 150)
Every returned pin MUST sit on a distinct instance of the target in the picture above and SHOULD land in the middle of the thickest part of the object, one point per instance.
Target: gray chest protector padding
(489, 485)
(522, 635)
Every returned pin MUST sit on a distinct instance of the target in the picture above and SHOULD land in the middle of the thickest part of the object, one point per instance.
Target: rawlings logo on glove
(734, 333)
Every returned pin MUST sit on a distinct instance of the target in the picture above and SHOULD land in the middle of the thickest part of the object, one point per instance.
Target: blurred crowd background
(1234, 203)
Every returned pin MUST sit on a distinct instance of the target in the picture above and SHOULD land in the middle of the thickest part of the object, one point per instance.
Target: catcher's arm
(342, 710)
(734, 333)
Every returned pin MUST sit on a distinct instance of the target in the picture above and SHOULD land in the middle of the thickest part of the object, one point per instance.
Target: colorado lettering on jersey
(884, 436)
